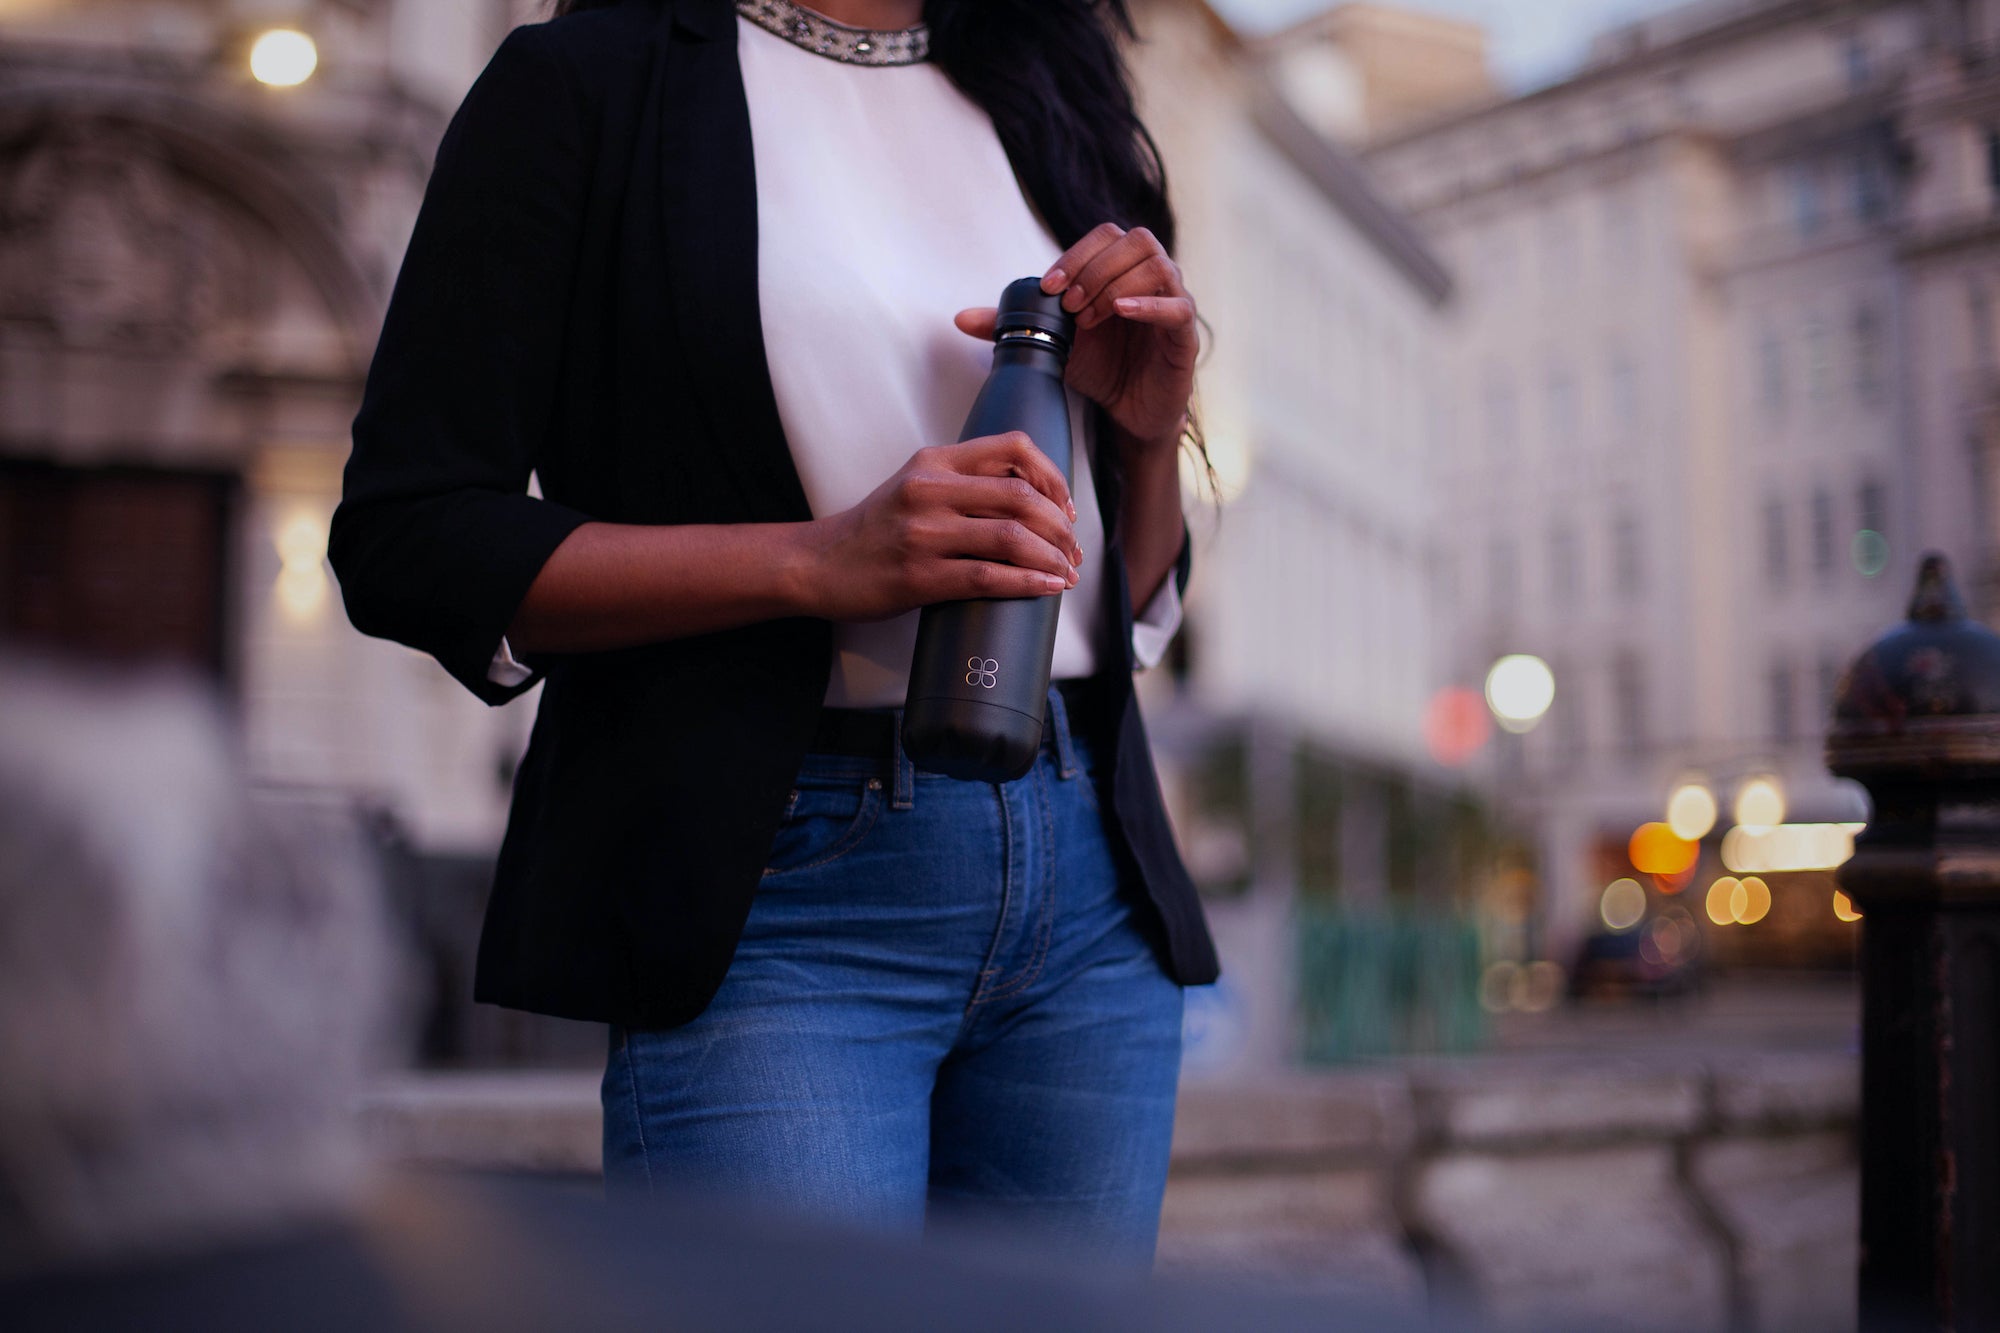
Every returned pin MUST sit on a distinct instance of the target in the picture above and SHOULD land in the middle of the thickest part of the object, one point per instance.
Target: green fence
(1393, 981)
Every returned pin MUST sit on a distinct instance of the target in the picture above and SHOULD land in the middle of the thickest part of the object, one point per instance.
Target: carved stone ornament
(105, 245)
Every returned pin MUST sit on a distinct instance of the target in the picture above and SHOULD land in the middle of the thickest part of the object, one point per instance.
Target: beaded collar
(819, 34)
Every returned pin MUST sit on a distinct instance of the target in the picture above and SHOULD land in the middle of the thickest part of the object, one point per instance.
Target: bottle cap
(1025, 306)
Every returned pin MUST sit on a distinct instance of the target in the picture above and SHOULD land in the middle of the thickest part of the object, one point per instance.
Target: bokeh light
(1760, 803)
(1871, 553)
(1844, 908)
(1721, 894)
(1519, 690)
(283, 58)
(302, 582)
(1456, 726)
(1751, 901)
(1788, 847)
(1656, 849)
(1623, 904)
(1691, 811)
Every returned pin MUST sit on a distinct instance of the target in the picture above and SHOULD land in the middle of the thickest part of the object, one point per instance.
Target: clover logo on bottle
(984, 672)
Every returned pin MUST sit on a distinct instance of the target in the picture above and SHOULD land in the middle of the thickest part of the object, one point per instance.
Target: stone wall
(1685, 1194)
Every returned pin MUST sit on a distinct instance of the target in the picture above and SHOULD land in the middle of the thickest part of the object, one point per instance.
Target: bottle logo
(984, 672)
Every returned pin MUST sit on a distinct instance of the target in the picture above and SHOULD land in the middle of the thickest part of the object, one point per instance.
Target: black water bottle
(979, 681)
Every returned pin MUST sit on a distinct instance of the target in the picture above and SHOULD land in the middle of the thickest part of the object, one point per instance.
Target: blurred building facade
(1720, 369)
(1292, 723)
(193, 267)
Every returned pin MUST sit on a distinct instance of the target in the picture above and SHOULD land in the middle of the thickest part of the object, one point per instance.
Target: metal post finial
(1936, 598)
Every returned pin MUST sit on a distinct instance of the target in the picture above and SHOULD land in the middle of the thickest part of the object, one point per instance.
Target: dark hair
(1050, 75)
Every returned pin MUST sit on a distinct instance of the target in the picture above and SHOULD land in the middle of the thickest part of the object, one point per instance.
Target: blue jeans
(945, 1000)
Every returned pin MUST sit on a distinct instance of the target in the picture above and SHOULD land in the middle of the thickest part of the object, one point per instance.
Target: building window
(1781, 703)
(1771, 366)
(1979, 306)
(1621, 230)
(1869, 348)
(1624, 391)
(1808, 207)
(1871, 186)
(1860, 69)
(1628, 691)
(1874, 508)
(1570, 725)
(1819, 358)
(1565, 566)
(1502, 574)
(1627, 558)
(1823, 539)
(1500, 439)
(1562, 409)
(1776, 553)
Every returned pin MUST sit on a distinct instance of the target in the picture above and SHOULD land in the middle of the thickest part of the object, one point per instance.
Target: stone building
(1717, 382)
(1292, 727)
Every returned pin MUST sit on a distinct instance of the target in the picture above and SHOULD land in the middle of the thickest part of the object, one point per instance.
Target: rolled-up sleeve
(435, 540)
(1155, 625)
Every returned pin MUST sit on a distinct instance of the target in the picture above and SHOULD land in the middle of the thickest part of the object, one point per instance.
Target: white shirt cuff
(1154, 628)
(504, 670)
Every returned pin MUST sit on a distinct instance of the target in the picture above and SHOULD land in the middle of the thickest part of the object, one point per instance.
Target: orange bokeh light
(1456, 725)
(1656, 849)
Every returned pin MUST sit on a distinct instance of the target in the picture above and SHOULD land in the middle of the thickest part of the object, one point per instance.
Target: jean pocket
(825, 818)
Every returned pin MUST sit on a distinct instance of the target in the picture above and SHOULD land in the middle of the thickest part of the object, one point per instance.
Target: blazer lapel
(708, 193)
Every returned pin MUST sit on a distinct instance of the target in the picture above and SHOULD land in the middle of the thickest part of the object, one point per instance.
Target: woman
(713, 273)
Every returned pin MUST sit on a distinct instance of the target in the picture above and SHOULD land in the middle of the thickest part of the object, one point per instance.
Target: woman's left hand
(1136, 341)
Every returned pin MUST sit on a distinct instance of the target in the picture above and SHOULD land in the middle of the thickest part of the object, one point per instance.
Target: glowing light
(1456, 726)
(1691, 811)
(1788, 847)
(302, 582)
(1871, 553)
(1519, 690)
(1623, 904)
(1751, 902)
(1843, 907)
(283, 58)
(1656, 850)
(1720, 896)
(1669, 938)
(1760, 803)
(1538, 986)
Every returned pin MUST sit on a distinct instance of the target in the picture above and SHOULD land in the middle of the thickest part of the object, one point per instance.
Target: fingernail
(1072, 509)
(1126, 304)
(1053, 280)
(1054, 584)
(1072, 579)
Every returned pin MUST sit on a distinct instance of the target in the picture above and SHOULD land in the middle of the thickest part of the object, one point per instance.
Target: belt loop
(1065, 748)
(903, 786)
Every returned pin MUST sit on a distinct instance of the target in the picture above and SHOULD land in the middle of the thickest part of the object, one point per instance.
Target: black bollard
(1917, 722)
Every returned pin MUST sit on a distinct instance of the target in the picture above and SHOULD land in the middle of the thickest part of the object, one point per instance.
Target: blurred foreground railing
(1682, 1193)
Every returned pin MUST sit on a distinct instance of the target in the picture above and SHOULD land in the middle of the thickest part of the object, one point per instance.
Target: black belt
(1088, 701)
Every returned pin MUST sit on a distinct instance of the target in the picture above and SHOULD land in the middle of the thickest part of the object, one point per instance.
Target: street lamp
(283, 58)
(1691, 811)
(1519, 690)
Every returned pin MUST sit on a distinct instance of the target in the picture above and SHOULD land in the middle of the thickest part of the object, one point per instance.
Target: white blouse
(886, 204)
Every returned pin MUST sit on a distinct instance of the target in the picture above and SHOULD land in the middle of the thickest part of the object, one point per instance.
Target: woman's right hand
(990, 517)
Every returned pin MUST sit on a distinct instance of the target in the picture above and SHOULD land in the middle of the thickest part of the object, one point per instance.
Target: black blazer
(579, 299)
